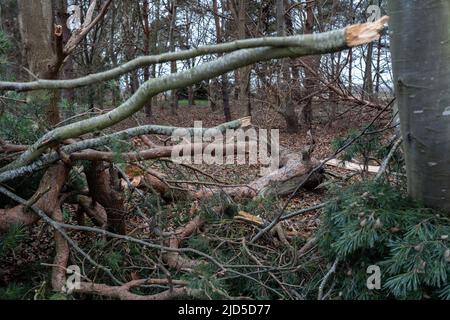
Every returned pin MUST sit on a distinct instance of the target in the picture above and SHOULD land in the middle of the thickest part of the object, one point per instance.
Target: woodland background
(140, 226)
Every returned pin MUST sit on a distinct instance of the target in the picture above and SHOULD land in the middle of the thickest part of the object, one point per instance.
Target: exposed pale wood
(359, 34)
(351, 166)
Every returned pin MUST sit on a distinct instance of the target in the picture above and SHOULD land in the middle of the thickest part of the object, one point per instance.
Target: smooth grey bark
(420, 44)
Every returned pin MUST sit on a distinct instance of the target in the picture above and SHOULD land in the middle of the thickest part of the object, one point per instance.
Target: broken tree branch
(316, 169)
(107, 139)
(388, 158)
(315, 44)
(303, 45)
(87, 26)
(123, 292)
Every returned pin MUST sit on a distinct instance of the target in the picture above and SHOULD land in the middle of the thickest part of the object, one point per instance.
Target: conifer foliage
(375, 224)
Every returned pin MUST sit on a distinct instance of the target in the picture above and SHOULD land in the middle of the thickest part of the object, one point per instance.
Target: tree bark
(313, 62)
(36, 30)
(154, 41)
(105, 189)
(146, 26)
(420, 31)
(368, 78)
(47, 199)
(240, 13)
(287, 106)
(173, 65)
(224, 77)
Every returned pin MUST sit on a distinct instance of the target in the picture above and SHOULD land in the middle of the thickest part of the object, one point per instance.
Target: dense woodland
(93, 204)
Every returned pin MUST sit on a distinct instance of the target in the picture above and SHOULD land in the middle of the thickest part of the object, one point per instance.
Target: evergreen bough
(375, 224)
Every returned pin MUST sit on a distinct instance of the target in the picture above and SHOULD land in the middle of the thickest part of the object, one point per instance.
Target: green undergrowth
(371, 224)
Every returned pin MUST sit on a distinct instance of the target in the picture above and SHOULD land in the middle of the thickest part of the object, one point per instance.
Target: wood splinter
(359, 34)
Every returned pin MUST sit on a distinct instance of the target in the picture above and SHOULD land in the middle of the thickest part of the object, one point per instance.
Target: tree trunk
(173, 64)
(368, 79)
(287, 106)
(420, 31)
(111, 51)
(146, 26)
(191, 96)
(350, 56)
(212, 94)
(313, 62)
(36, 30)
(243, 78)
(154, 40)
(105, 189)
(190, 62)
(224, 77)
(378, 69)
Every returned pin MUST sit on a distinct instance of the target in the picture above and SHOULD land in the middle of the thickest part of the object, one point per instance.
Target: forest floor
(324, 132)
(38, 245)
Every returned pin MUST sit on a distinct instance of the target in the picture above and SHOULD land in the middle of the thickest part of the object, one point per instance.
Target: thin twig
(388, 158)
(325, 279)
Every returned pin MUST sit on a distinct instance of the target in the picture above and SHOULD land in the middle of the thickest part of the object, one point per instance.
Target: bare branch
(87, 26)
(304, 45)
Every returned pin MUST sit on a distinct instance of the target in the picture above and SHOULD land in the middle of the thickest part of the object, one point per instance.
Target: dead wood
(123, 292)
(49, 191)
(174, 259)
(94, 211)
(105, 189)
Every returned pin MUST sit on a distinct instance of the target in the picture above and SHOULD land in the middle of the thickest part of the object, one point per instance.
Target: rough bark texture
(104, 189)
(36, 30)
(94, 211)
(62, 252)
(287, 107)
(313, 63)
(224, 77)
(240, 13)
(420, 33)
(46, 196)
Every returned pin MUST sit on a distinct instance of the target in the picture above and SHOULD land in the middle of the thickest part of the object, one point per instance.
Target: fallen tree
(327, 42)
(61, 147)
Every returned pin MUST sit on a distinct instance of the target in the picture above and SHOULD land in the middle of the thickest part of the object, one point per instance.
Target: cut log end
(246, 122)
(359, 34)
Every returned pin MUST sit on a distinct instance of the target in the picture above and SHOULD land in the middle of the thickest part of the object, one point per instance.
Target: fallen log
(280, 182)
(123, 292)
(45, 198)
